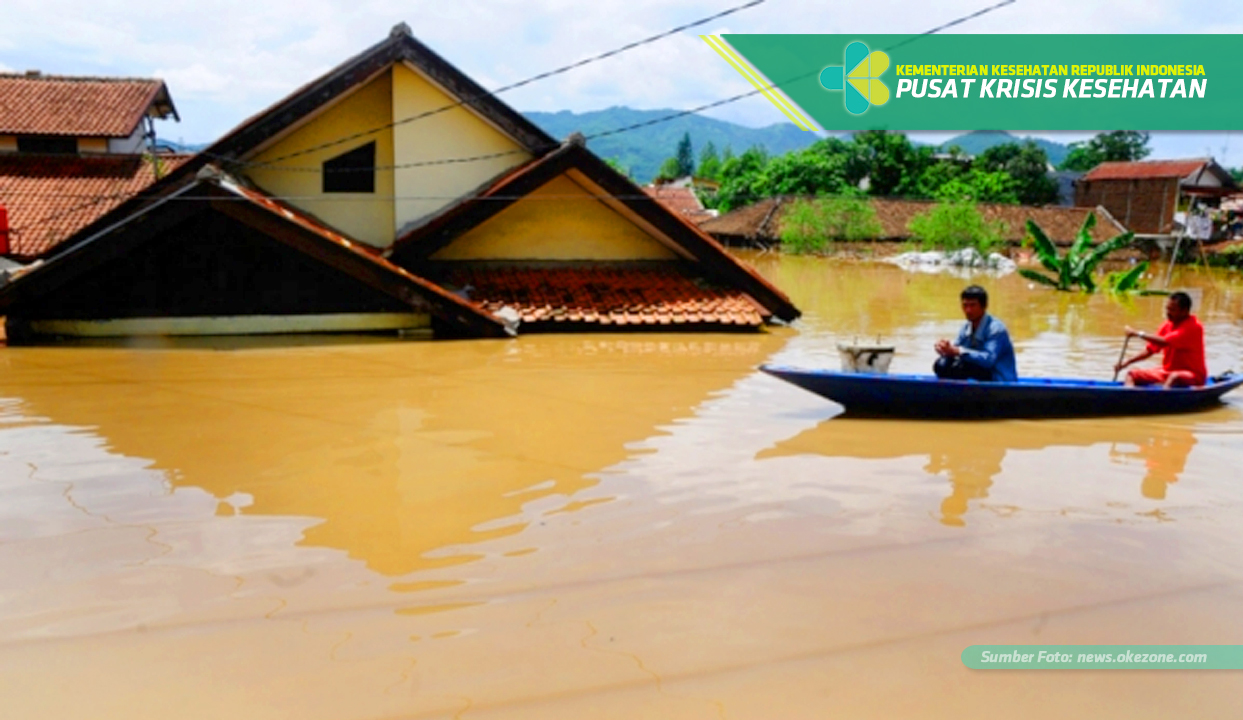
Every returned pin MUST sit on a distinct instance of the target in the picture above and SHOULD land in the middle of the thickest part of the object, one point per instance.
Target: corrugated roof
(50, 197)
(78, 106)
(761, 221)
(1145, 169)
(614, 296)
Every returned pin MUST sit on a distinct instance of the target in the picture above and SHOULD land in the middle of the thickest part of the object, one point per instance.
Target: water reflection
(551, 526)
(401, 454)
(1165, 458)
(971, 455)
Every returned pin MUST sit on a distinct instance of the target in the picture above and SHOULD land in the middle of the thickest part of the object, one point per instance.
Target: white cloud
(225, 61)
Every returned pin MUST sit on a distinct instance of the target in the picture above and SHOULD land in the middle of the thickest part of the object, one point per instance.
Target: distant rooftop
(1146, 169)
(32, 103)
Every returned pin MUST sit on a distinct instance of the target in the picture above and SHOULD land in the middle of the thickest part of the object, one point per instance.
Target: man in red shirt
(1181, 344)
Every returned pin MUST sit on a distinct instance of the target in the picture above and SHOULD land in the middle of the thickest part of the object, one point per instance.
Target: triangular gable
(399, 48)
(276, 221)
(418, 247)
(583, 227)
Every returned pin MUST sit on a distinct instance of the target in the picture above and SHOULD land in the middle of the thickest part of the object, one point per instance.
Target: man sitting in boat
(1181, 344)
(983, 350)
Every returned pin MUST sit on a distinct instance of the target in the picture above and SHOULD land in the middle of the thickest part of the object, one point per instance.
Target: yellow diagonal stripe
(739, 64)
(754, 75)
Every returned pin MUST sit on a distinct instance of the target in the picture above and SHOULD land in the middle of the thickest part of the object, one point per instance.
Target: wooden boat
(925, 396)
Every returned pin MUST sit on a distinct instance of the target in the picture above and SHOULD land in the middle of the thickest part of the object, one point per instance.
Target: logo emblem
(859, 78)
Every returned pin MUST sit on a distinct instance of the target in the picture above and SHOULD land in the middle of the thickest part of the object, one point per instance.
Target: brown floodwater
(608, 526)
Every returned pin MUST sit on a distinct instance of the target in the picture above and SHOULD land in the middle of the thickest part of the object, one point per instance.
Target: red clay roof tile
(78, 106)
(1145, 169)
(680, 201)
(612, 295)
(50, 197)
(762, 221)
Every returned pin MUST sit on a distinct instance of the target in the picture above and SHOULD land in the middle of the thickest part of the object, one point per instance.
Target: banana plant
(1076, 268)
(1130, 281)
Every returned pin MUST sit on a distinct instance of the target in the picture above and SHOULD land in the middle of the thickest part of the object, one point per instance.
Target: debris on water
(966, 261)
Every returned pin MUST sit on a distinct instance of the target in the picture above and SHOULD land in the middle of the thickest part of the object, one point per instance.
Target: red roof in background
(1145, 169)
(78, 106)
(617, 295)
(50, 197)
(679, 200)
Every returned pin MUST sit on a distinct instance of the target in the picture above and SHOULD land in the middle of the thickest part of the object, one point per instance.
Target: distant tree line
(881, 163)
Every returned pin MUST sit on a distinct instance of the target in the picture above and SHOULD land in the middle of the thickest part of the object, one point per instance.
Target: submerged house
(392, 193)
(71, 149)
(1146, 195)
(760, 224)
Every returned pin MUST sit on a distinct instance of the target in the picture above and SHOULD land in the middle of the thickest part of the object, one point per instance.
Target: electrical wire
(618, 130)
(566, 68)
(521, 83)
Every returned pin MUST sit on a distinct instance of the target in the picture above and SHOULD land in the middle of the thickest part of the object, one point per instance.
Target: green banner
(1010, 82)
(1103, 657)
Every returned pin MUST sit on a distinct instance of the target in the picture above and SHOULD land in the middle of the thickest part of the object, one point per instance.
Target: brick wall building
(1144, 196)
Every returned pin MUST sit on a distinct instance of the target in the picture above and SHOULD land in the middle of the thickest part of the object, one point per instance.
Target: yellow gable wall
(559, 221)
(365, 216)
(456, 133)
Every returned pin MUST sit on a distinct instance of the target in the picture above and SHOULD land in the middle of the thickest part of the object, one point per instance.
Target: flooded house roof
(36, 104)
(685, 239)
(761, 222)
(273, 220)
(681, 200)
(608, 297)
(395, 251)
(399, 47)
(50, 197)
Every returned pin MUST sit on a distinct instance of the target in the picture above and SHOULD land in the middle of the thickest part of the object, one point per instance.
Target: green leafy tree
(937, 174)
(1237, 174)
(810, 225)
(668, 170)
(954, 226)
(685, 156)
(977, 185)
(827, 167)
(741, 179)
(1027, 164)
(893, 164)
(1120, 145)
(709, 162)
(1076, 268)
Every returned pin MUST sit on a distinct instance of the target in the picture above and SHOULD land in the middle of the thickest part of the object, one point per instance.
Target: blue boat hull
(924, 396)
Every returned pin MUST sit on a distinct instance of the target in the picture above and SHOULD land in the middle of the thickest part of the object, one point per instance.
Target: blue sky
(230, 59)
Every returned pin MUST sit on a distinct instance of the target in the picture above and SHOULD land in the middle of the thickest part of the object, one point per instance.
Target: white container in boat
(872, 359)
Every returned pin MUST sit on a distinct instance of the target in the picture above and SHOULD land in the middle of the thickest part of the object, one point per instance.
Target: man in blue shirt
(983, 350)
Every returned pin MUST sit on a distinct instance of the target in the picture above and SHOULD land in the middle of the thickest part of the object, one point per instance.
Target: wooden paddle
(1121, 357)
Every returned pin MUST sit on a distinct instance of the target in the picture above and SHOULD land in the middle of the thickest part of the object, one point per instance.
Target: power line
(534, 78)
(634, 126)
(615, 131)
